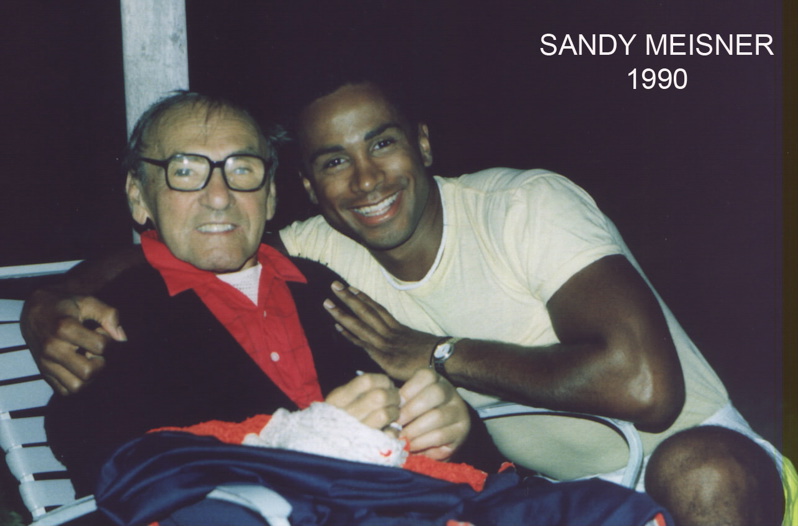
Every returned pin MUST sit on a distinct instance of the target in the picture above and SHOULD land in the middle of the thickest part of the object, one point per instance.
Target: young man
(216, 318)
(514, 285)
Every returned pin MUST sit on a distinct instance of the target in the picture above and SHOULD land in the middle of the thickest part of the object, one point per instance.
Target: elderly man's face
(215, 229)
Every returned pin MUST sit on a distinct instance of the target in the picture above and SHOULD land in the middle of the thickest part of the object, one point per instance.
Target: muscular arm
(615, 356)
(54, 322)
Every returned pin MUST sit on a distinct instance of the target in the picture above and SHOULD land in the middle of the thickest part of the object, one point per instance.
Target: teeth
(379, 208)
(213, 228)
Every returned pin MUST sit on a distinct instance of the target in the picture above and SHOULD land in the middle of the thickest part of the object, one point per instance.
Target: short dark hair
(322, 80)
(273, 137)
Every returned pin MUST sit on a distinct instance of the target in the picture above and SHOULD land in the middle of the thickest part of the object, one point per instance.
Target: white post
(155, 52)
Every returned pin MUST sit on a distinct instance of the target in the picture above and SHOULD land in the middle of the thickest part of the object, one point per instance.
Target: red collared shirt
(270, 331)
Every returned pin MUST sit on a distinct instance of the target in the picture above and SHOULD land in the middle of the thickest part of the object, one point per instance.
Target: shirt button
(275, 357)
(264, 314)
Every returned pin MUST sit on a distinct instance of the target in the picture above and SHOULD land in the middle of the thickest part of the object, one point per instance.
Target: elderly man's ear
(135, 200)
(271, 201)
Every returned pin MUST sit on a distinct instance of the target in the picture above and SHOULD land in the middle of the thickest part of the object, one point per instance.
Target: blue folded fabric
(166, 476)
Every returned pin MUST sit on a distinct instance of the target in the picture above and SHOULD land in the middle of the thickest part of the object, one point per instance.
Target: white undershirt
(245, 281)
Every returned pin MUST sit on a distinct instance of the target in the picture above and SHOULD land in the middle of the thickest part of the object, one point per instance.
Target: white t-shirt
(511, 239)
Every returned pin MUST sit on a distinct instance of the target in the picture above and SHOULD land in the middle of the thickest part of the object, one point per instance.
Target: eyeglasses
(191, 172)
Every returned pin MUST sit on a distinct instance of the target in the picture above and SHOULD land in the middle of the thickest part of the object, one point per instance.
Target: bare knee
(713, 475)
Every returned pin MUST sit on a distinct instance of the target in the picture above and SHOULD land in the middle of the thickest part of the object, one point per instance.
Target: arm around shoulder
(54, 322)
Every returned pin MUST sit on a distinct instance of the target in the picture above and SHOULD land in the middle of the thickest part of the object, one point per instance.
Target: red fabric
(234, 433)
(267, 330)
(450, 471)
(505, 466)
(228, 432)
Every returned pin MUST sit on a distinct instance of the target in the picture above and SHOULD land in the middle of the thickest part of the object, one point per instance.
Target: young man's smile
(379, 212)
(365, 167)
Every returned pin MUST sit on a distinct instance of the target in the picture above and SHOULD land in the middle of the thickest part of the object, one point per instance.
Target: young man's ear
(309, 188)
(135, 200)
(424, 145)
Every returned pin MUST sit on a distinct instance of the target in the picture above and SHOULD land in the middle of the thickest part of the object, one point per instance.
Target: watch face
(441, 351)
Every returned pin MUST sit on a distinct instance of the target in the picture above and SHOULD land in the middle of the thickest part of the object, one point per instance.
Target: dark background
(691, 177)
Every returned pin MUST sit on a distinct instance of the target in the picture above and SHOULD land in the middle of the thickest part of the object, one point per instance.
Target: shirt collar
(180, 276)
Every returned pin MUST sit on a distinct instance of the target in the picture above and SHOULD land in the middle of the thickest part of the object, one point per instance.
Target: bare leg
(713, 475)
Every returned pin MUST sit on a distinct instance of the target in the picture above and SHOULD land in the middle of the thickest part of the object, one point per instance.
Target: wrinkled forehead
(198, 123)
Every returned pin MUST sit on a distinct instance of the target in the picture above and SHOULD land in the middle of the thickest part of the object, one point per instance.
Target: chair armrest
(626, 429)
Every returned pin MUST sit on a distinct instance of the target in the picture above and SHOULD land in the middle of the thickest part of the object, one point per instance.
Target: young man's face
(364, 167)
(215, 229)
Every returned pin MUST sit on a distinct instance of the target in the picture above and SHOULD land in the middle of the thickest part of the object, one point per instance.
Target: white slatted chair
(627, 430)
(51, 500)
(24, 441)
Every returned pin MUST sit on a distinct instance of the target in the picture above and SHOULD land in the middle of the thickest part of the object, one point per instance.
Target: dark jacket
(180, 367)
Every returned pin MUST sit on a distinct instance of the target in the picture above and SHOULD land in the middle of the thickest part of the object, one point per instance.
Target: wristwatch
(442, 352)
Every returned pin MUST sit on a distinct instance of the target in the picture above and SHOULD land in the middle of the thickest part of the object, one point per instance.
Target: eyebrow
(379, 130)
(247, 150)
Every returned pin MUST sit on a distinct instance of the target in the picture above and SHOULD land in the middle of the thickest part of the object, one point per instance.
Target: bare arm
(615, 356)
(67, 330)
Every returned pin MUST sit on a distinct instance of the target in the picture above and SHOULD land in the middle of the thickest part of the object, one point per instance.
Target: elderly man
(514, 285)
(215, 318)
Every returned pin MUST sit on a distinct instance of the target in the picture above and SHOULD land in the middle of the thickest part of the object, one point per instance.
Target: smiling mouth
(216, 228)
(377, 209)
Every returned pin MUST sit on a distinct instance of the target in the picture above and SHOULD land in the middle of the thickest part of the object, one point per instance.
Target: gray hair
(273, 136)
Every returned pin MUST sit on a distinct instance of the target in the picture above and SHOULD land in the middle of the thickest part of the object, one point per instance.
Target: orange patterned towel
(235, 433)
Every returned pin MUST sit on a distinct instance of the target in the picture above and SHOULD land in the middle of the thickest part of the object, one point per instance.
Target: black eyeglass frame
(164, 164)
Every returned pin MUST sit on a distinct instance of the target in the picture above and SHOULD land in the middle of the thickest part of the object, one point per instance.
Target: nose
(216, 194)
(368, 175)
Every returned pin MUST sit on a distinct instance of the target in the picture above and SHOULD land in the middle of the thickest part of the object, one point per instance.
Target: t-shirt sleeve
(308, 239)
(552, 229)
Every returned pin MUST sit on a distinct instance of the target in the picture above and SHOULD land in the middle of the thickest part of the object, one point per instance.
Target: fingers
(63, 380)
(435, 419)
(104, 315)
(354, 329)
(59, 380)
(367, 302)
(72, 355)
(364, 329)
(68, 352)
(71, 333)
(398, 349)
(358, 387)
(429, 432)
(424, 391)
(366, 309)
(371, 398)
